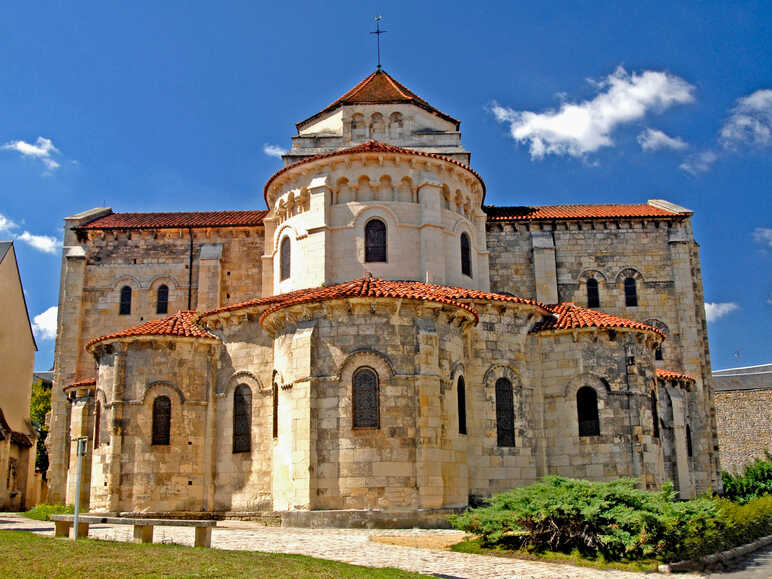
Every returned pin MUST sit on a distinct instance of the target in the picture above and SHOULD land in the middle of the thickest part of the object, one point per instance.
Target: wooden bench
(143, 528)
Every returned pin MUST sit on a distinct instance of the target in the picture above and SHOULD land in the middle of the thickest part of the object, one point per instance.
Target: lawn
(25, 554)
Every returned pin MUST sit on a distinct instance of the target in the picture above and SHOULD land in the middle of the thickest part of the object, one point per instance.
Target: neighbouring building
(17, 359)
(743, 402)
(377, 346)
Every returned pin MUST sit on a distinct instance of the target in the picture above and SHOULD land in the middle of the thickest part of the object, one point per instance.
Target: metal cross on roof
(378, 33)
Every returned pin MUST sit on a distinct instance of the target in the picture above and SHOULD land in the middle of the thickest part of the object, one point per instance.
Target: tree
(40, 405)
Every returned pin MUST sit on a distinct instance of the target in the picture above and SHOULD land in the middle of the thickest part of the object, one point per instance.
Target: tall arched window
(285, 259)
(242, 419)
(461, 393)
(162, 300)
(375, 240)
(97, 422)
(593, 296)
(587, 411)
(125, 307)
(689, 450)
(275, 410)
(631, 293)
(654, 413)
(505, 413)
(365, 399)
(658, 352)
(466, 255)
(162, 420)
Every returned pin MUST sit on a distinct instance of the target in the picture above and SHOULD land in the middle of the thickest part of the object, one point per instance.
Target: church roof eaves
(670, 375)
(569, 316)
(175, 220)
(379, 88)
(183, 324)
(372, 147)
(578, 212)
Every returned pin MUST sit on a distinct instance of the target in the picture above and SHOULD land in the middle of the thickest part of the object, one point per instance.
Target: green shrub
(755, 481)
(43, 512)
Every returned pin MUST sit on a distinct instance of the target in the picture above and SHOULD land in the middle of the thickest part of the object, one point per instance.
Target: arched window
(125, 307)
(395, 122)
(97, 422)
(654, 413)
(285, 257)
(242, 418)
(365, 399)
(275, 410)
(377, 126)
(461, 393)
(587, 411)
(358, 127)
(162, 420)
(593, 296)
(466, 257)
(505, 413)
(689, 450)
(162, 300)
(658, 352)
(631, 293)
(375, 240)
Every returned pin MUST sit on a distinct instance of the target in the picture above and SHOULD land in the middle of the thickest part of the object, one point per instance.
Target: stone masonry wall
(744, 426)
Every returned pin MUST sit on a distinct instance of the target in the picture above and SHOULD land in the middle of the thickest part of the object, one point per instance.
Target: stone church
(378, 346)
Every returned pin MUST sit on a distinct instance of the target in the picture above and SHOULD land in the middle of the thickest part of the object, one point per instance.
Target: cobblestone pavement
(757, 565)
(346, 545)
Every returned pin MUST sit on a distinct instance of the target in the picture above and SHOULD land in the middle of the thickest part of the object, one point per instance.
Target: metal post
(81, 450)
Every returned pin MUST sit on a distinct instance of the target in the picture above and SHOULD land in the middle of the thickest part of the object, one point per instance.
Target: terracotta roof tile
(183, 324)
(372, 147)
(379, 88)
(672, 375)
(192, 219)
(569, 316)
(595, 211)
(80, 384)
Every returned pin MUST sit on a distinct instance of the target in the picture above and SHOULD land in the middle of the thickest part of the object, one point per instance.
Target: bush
(756, 481)
(43, 512)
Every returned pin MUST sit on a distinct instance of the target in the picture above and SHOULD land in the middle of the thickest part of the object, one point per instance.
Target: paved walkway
(346, 545)
(757, 565)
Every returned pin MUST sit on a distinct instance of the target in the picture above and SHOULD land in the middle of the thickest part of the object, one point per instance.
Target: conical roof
(379, 88)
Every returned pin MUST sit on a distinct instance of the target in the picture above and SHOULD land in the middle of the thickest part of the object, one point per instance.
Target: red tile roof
(80, 384)
(596, 211)
(192, 219)
(372, 147)
(379, 88)
(183, 324)
(569, 316)
(671, 375)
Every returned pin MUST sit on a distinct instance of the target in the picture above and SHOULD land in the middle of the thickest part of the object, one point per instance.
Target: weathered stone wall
(744, 426)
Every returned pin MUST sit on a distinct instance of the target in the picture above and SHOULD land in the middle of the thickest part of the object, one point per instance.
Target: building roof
(379, 88)
(372, 147)
(192, 219)
(569, 316)
(4, 247)
(673, 375)
(745, 378)
(183, 324)
(80, 384)
(594, 211)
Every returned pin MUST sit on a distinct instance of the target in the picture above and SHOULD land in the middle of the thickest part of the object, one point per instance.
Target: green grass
(43, 512)
(25, 554)
(475, 547)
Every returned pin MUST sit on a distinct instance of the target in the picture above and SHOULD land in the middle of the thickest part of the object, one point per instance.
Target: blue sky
(149, 106)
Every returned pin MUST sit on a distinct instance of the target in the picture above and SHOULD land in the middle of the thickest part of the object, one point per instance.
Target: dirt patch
(437, 542)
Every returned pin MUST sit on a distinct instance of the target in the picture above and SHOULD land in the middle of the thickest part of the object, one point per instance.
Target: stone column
(210, 436)
(267, 269)
(432, 236)
(116, 428)
(685, 484)
(544, 267)
(81, 424)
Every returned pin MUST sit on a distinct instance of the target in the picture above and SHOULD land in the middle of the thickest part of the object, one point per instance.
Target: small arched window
(466, 255)
(631, 293)
(654, 413)
(97, 422)
(505, 413)
(162, 300)
(689, 450)
(125, 307)
(375, 240)
(365, 399)
(358, 126)
(242, 419)
(461, 393)
(587, 411)
(275, 410)
(162, 420)
(285, 259)
(658, 352)
(593, 296)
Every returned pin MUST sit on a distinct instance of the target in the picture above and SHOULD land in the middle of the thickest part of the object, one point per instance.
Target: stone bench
(143, 528)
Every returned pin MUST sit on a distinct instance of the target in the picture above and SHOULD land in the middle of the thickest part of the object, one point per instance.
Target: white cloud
(750, 121)
(44, 243)
(44, 325)
(763, 235)
(577, 129)
(42, 149)
(273, 150)
(6, 225)
(714, 311)
(699, 162)
(653, 140)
